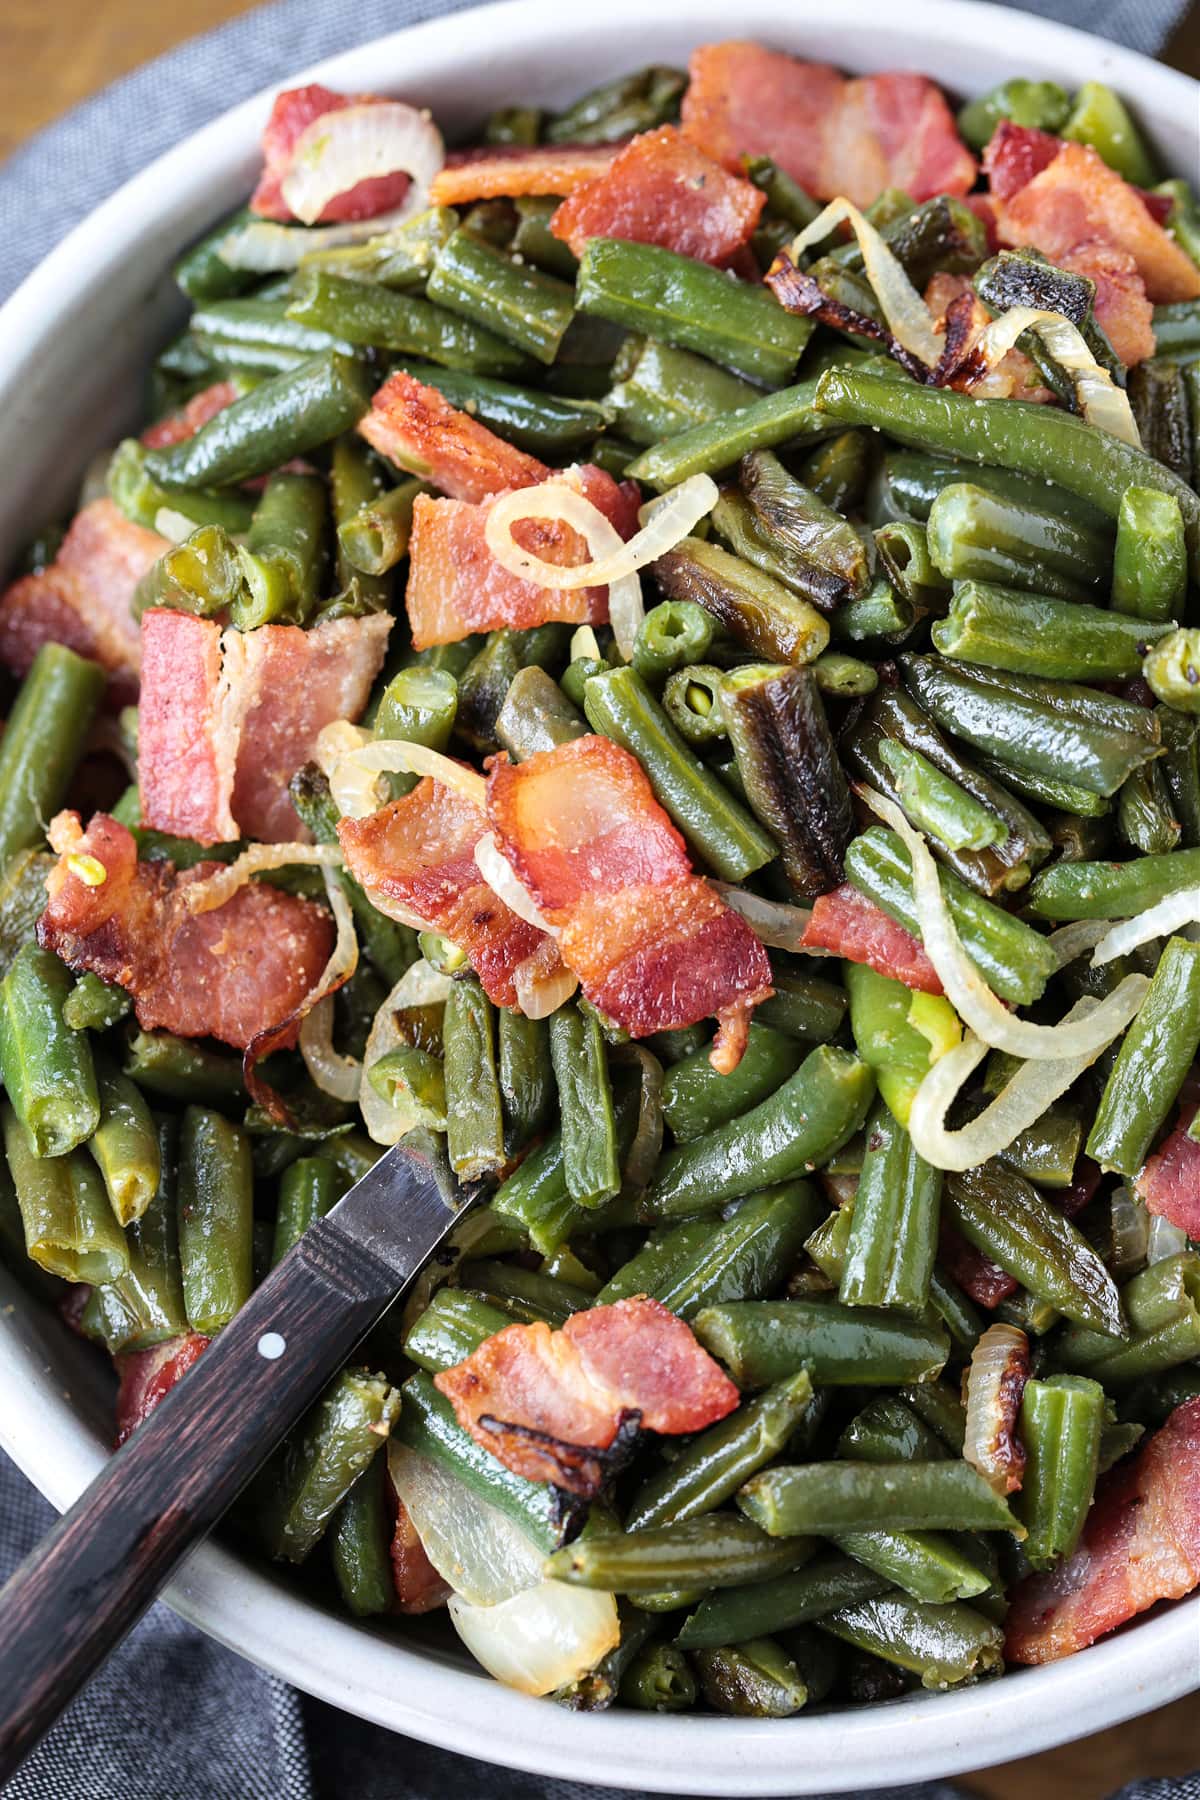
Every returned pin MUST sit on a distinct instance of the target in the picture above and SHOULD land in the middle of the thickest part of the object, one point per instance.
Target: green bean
(589, 1135)
(691, 699)
(1060, 1427)
(427, 1424)
(697, 1099)
(43, 741)
(785, 418)
(714, 1550)
(1040, 105)
(375, 538)
(68, 1223)
(672, 635)
(526, 1077)
(1005, 1216)
(475, 1119)
(790, 771)
(755, 1679)
(764, 615)
(485, 682)
(665, 391)
(844, 677)
(617, 109)
(598, 1688)
(654, 1262)
(1150, 565)
(1047, 790)
(356, 482)
(358, 1547)
(793, 1131)
(323, 1459)
(722, 833)
(1039, 441)
(1180, 768)
(893, 1238)
(1172, 669)
(526, 1294)
(1163, 1305)
(672, 297)
(1158, 399)
(716, 1462)
(375, 316)
(451, 1328)
(658, 1679)
(535, 1195)
(420, 706)
(526, 307)
(764, 1341)
(745, 1256)
(982, 536)
(203, 575)
(790, 514)
(281, 557)
(216, 1211)
(125, 1145)
(897, 1032)
(542, 423)
(903, 547)
(225, 326)
(1046, 1152)
(201, 272)
(887, 1430)
(945, 1645)
(1100, 119)
(836, 1499)
(1177, 325)
(1036, 726)
(936, 804)
(908, 482)
(732, 1615)
(182, 1070)
(880, 613)
(536, 715)
(1152, 1064)
(144, 1305)
(1111, 890)
(283, 418)
(47, 1067)
(307, 1190)
(1032, 634)
(142, 500)
(1012, 957)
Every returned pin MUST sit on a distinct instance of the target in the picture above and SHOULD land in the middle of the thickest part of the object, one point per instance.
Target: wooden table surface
(53, 55)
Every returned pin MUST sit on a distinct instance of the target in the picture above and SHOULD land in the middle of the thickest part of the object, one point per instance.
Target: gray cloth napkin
(173, 1715)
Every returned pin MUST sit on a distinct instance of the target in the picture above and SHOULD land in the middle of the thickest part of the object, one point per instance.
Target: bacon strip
(419, 1587)
(654, 946)
(231, 973)
(177, 427)
(1141, 1544)
(416, 860)
(549, 1404)
(1169, 1183)
(147, 1376)
(848, 924)
(831, 135)
(415, 427)
(496, 172)
(977, 1275)
(227, 717)
(661, 189)
(293, 112)
(83, 599)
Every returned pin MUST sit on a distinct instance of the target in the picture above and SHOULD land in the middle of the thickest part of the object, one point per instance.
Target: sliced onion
(265, 247)
(908, 317)
(1170, 914)
(333, 1073)
(506, 884)
(214, 890)
(996, 1377)
(472, 1545)
(172, 525)
(1022, 1101)
(646, 1148)
(420, 985)
(584, 642)
(1070, 941)
(362, 143)
(1129, 1225)
(978, 1007)
(541, 1639)
(1164, 1239)
(353, 764)
(771, 921)
(1101, 401)
(543, 985)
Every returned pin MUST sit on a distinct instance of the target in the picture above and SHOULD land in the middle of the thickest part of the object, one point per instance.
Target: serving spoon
(94, 1574)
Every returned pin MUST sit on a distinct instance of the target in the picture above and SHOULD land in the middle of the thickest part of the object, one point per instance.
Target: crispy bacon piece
(293, 112)
(1073, 198)
(848, 924)
(976, 1274)
(952, 299)
(496, 172)
(1141, 1544)
(550, 1404)
(1169, 1182)
(419, 1587)
(231, 973)
(227, 717)
(417, 428)
(147, 1376)
(831, 135)
(416, 860)
(177, 427)
(654, 946)
(82, 599)
(661, 189)
(1121, 305)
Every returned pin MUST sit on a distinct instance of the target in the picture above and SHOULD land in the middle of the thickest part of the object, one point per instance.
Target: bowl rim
(352, 1666)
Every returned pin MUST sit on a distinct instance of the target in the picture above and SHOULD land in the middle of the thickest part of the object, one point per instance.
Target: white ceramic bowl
(73, 343)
